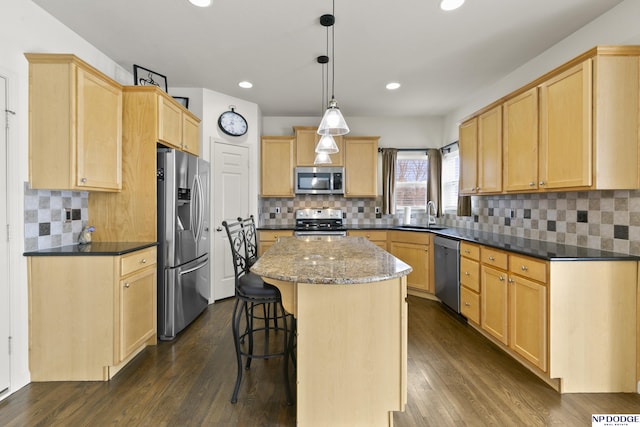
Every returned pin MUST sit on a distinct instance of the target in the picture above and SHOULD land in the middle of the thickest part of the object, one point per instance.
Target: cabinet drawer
(493, 257)
(137, 261)
(470, 274)
(470, 250)
(417, 237)
(470, 304)
(528, 267)
(273, 235)
(373, 235)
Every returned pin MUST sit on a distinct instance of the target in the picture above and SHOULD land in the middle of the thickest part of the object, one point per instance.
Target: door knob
(219, 229)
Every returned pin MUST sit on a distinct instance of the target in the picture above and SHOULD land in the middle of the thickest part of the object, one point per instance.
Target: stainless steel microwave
(319, 180)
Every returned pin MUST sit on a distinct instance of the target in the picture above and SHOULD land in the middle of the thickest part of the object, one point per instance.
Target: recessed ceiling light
(393, 85)
(451, 4)
(201, 3)
(245, 84)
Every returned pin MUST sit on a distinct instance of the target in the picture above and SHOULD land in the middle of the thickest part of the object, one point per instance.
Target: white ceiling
(440, 58)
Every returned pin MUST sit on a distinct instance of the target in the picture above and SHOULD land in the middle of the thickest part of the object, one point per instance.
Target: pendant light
(333, 123)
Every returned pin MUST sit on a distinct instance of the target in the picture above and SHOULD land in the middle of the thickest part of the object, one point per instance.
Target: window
(450, 178)
(412, 172)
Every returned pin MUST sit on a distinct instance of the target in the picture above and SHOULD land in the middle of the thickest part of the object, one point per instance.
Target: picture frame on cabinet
(182, 101)
(145, 77)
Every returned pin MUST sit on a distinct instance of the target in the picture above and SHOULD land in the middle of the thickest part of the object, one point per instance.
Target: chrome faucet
(431, 217)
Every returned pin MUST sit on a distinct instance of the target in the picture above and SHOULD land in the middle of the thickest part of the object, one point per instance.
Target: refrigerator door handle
(193, 209)
(199, 207)
(198, 267)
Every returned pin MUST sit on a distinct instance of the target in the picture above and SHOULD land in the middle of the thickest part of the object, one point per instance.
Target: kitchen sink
(425, 227)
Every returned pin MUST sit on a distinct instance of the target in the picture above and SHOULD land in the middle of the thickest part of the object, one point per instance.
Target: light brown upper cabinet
(468, 146)
(490, 151)
(481, 153)
(177, 127)
(75, 125)
(277, 163)
(575, 128)
(565, 129)
(520, 142)
(306, 139)
(361, 166)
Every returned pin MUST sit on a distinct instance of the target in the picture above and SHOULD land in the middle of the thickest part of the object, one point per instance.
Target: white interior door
(229, 200)
(5, 330)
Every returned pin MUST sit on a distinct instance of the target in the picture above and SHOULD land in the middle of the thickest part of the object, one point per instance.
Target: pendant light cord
(333, 53)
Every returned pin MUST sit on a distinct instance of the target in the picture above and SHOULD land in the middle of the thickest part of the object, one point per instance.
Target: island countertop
(328, 260)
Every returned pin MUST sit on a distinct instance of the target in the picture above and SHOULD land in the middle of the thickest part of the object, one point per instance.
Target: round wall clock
(232, 123)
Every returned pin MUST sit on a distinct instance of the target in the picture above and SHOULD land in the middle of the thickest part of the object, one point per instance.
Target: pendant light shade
(333, 123)
(322, 159)
(327, 145)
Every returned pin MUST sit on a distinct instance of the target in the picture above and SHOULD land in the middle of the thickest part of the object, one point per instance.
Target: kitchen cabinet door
(566, 152)
(494, 302)
(468, 146)
(528, 320)
(75, 125)
(190, 135)
(169, 123)
(137, 310)
(306, 139)
(361, 166)
(417, 256)
(520, 142)
(277, 163)
(490, 151)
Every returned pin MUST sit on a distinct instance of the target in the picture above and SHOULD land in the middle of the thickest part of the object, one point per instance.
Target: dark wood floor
(455, 378)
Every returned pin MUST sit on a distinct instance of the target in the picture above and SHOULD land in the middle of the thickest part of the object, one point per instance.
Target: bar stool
(251, 290)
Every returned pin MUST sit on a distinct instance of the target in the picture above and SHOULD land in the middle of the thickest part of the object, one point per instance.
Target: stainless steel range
(319, 222)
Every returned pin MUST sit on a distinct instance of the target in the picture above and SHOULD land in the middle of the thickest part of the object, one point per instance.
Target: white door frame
(5, 291)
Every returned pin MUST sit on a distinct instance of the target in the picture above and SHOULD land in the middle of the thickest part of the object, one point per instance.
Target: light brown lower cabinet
(266, 238)
(89, 315)
(414, 248)
(572, 323)
(377, 237)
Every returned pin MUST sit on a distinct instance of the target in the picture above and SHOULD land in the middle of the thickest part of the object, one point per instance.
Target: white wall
(618, 26)
(401, 132)
(24, 27)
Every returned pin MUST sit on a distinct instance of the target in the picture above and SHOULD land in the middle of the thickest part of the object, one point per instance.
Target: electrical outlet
(277, 210)
(66, 213)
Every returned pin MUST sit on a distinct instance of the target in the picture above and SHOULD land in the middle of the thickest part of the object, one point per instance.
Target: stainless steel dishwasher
(447, 271)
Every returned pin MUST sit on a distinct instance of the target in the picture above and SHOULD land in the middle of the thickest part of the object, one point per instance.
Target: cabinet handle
(466, 273)
(126, 284)
(143, 261)
(542, 183)
(467, 304)
(467, 251)
(83, 180)
(492, 258)
(524, 268)
(511, 280)
(531, 184)
(501, 278)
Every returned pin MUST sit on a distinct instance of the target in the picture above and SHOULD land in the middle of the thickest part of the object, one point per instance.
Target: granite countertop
(549, 251)
(93, 249)
(328, 260)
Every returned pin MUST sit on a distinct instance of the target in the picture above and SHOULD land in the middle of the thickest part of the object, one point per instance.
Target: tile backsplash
(45, 217)
(606, 220)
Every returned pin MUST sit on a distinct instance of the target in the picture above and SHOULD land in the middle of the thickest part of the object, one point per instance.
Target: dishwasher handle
(447, 243)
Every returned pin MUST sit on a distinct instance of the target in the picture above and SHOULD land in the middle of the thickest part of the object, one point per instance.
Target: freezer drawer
(184, 297)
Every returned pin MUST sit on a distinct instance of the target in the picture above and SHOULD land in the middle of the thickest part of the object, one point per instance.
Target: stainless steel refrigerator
(183, 236)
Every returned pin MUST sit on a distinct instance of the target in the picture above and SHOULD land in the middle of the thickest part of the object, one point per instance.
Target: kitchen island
(349, 300)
